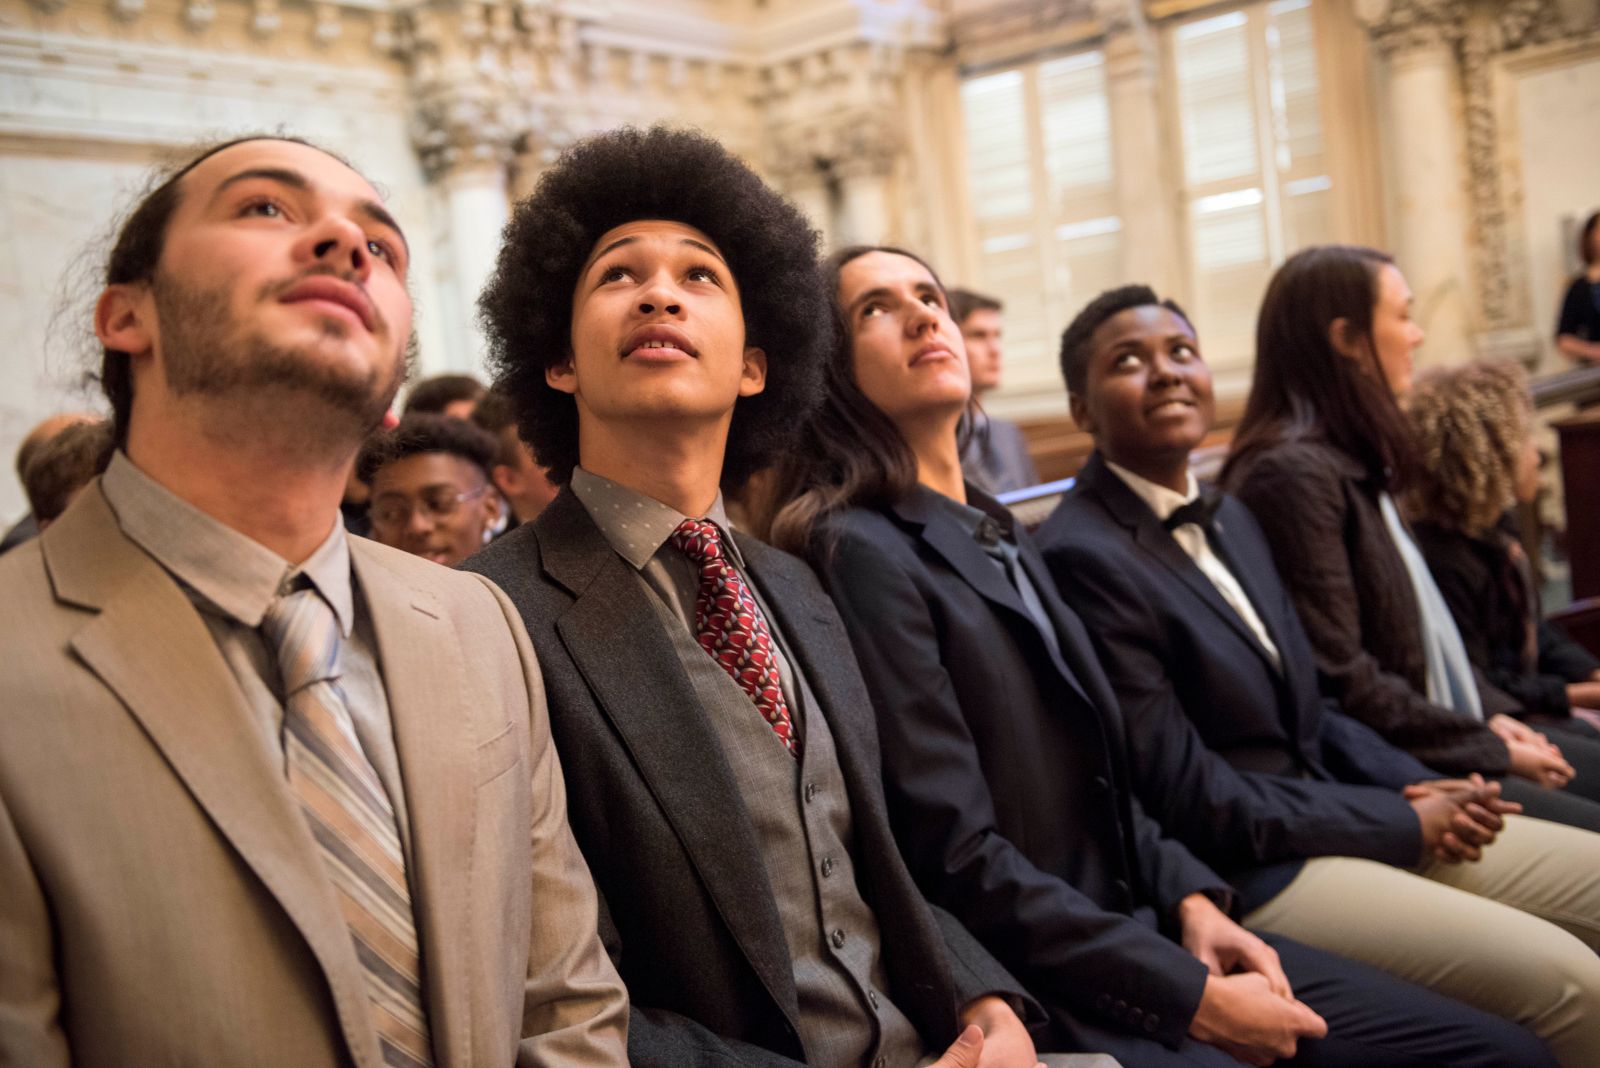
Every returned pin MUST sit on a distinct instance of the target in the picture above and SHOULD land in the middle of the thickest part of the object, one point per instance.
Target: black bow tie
(1200, 511)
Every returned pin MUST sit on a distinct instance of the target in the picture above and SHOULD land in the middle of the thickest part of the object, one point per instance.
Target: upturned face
(908, 355)
(1147, 398)
(280, 270)
(658, 330)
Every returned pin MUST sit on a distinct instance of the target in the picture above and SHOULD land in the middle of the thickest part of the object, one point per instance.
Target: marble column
(476, 209)
(1432, 213)
(1150, 251)
(867, 217)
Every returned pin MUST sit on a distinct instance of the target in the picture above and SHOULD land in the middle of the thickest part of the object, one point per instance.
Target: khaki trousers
(1514, 934)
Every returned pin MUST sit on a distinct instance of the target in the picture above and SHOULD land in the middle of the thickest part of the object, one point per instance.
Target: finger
(1461, 849)
(1314, 1025)
(965, 1051)
(1475, 828)
(1485, 817)
(1263, 959)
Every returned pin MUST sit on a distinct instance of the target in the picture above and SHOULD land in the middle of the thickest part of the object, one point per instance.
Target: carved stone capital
(1399, 26)
(844, 144)
(464, 125)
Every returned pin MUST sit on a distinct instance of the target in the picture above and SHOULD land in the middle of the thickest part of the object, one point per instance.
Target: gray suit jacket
(161, 898)
(687, 909)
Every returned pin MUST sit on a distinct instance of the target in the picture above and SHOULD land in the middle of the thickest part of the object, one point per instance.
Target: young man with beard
(658, 318)
(269, 795)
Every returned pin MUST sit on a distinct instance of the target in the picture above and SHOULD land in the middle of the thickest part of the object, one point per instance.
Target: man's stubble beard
(310, 401)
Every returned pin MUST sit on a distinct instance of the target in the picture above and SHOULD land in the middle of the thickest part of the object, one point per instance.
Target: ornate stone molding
(832, 114)
(1399, 26)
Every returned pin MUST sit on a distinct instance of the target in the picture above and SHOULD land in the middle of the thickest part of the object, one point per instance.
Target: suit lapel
(1126, 508)
(150, 647)
(421, 663)
(977, 569)
(613, 634)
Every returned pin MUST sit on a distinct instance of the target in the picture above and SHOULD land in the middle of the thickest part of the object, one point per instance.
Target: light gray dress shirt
(232, 579)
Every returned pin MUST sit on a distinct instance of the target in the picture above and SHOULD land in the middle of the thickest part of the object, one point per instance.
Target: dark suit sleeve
(1069, 950)
(1354, 752)
(1560, 656)
(1301, 509)
(1236, 818)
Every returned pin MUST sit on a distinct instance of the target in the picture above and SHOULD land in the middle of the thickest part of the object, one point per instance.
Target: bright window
(1049, 238)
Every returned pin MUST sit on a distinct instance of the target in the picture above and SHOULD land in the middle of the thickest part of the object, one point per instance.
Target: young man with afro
(659, 321)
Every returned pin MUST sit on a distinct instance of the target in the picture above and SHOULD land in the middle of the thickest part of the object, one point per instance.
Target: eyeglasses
(393, 513)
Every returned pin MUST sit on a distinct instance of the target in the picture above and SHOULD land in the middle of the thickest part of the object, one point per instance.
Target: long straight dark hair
(1303, 386)
(849, 454)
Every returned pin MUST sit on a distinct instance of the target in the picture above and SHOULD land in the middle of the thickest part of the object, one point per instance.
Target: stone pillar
(476, 209)
(1432, 215)
(1433, 211)
(814, 198)
(465, 125)
(1150, 250)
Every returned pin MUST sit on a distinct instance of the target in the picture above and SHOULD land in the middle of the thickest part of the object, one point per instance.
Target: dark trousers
(1374, 1021)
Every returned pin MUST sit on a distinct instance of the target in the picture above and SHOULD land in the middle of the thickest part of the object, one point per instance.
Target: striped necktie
(351, 818)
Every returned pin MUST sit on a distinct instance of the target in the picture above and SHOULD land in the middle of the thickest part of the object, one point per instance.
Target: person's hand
(1006, 1042)
(1538, 763)
(1245, 1018)
(1584, 694)
(1224, 947)
(964, 1052)
(1511, 729)
(1458, 816)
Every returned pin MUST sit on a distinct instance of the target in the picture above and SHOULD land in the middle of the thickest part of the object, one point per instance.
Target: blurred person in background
(58, 470)
(431, 490)
(28, 527)
(524, 484)
(1474, 426)
(1578, 330)
(995, 456)
(455, 395)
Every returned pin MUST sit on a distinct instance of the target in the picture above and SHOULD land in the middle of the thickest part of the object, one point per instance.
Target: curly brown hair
(1471, 425)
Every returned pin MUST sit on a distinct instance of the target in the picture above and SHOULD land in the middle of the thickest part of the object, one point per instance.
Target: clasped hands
(1459, 817)
(1248, 1009)
(1533, 756)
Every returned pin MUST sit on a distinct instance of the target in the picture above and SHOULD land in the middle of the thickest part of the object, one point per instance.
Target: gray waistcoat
(801, 815)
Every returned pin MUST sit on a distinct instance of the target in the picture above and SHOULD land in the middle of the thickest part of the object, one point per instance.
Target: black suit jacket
(1240, 759)
(1319, 510)
(687, 912)
(1007, 783)
(1481, 586)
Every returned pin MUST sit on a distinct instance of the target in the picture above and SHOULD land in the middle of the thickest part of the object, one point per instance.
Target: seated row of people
(925, 810)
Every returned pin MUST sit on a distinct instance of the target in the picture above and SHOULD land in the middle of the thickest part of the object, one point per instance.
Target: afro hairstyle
(682, 176)
(1075, 339)
(427, 432)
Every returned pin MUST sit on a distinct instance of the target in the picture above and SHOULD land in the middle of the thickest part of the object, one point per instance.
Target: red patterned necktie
(729, 626)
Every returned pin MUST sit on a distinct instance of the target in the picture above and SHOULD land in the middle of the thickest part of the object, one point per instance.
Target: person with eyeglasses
(431, 490)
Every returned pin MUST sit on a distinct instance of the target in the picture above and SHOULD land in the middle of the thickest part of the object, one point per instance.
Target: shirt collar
(637, 525)
(239, 576)
(1162, 501)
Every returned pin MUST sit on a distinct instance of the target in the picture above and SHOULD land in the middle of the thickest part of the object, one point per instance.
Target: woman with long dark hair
(1003, 749)
(1319, 456)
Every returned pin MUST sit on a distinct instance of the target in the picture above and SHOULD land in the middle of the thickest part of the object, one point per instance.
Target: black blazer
(1238, 758)
(1480, 583)
(1008, 787)
(1319, 510)
(687, 912)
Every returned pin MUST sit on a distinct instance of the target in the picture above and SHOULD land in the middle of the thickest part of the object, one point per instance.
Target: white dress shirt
(1163, 502)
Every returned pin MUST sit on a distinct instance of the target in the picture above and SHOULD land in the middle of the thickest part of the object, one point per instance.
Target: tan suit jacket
(161, 898)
